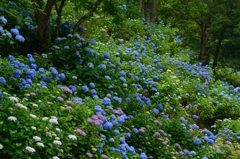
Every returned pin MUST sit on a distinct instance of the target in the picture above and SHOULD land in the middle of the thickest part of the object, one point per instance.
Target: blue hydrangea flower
(31, 73)
(112, 116)
(42, 83)
(197, 141)
(195, 116)
(122, 140)
(53, 71)
(102, 66)
(90, 65)
(61, 77)
(93, 92)
(106, 56)
(20, 38)
(95, 96)
(31, 60)
(119, 100)
(106, 101)
(107, 125)
(17, 73)
(121, 119)
(183, 120)
(143, 156)
(128, 99)
(73, 88)
(111, 139)
(77, 99)
(15, 31)
(116, 132)
(128, 135)
(122, 79)
(11, 58)
(135, 130)
(1, 30)
(92, 85)
(9, 35)
(34, 66)
(85, 89)
(122, 73)
(3, 20)
(155, 111)
(160, 107)
(1, 94)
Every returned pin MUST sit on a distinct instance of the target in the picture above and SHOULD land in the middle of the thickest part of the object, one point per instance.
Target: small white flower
(30, 149)
(21, 106)
(40, 144)
(1, 146)
(73, 137)
(13, 99)
(53, 134)
(55, 157)
(34, 105)
(57, 138)
(53, 121)
(33, 128)
(57, 129)
(33, 116)
(36, 138)
(74, 77)
(56, 142)
(12, 118)
(49, 134)
(53, 117)
(45, 118)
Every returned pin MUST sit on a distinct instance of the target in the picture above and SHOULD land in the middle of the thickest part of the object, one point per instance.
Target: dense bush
(135, 97)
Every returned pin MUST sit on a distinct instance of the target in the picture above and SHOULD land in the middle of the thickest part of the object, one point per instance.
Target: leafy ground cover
(103, 97)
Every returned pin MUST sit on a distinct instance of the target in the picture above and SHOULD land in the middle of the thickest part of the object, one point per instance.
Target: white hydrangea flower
(33, 116)
(74, 77)
(45, 118)
(40, 144)
(34, 105)
(53, 121)
(73, 137)
(57, 129)
(30, 149)
(13, 99)
(49, 134)
(56, 142)
(21, 106)
(1, 146)
(55, 157)
(57, 138)
(12, 118)
(33, 128)
(36, 138)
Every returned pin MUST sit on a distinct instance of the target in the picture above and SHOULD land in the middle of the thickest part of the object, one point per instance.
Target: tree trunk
(81, 20)
(218, 46)
(154, 11)
(147, 10)
(59, 16)
(42, 18)
(140, 5)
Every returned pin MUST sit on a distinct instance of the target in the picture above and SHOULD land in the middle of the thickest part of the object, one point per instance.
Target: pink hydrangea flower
(78, 130)
(60, 99)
